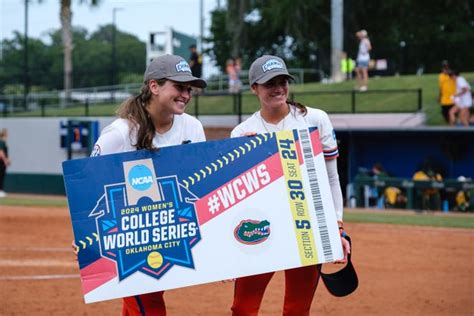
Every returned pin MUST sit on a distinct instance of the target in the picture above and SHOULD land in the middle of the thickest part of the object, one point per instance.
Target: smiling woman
(155, 118)
(269, 78)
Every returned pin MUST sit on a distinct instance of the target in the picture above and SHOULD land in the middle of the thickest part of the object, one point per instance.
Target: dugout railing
(362, 186)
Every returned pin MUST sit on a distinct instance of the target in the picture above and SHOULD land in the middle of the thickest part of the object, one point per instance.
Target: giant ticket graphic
(183, 215)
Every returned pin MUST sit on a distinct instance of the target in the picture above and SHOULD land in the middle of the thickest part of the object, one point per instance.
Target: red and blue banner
(146, 221)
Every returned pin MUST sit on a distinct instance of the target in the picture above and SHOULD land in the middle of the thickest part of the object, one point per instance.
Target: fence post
(239, 105)
(43, 112)
(353, 101)
(68, 140)
(196, 106)
(86, 105)
(420, 98)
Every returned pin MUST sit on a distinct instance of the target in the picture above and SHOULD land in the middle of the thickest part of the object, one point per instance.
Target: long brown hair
(134, 109)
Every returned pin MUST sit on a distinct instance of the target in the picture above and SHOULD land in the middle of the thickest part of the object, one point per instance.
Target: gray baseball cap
(266, 68)
(174, 68)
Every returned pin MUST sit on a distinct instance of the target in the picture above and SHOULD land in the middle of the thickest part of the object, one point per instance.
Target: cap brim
(194, 81)
(271, 75)
(344, 281)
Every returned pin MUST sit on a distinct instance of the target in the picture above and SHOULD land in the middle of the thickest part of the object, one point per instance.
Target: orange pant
(151, 304)
(300, 285)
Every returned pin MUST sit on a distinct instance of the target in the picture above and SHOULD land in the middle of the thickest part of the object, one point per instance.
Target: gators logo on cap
(252, 232)
(272, 64)
(183, 66)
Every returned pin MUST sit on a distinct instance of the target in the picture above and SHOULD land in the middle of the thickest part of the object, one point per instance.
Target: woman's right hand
(249, 134)
(228, 280)
(75, 248)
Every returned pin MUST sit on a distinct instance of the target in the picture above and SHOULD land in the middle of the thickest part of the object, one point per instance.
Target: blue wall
(402, 151)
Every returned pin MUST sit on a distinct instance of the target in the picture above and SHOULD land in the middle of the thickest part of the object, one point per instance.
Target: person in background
(430, 197)
(269, 82)
(390, 196)
(155, 118)
(376, 195)
(462, 198)
(462, 100)
(347, 66)
(4, 160)
(363, 59)
(238, 71)
(195, 62)
(447, 88)
(232, 76)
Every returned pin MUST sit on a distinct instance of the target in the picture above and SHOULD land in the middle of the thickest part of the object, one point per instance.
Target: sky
(138, 17)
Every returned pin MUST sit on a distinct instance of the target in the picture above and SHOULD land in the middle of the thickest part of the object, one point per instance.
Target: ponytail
(301, 107)
(134, 109)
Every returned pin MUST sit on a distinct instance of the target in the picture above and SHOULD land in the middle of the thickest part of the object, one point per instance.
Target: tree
(283, 27)
(299, 31)
(65, 16)
(11, 65)
(91, 59)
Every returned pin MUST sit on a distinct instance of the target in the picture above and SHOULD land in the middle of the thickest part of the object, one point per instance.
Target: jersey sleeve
(333, 177)
(250, 125)
(236, 132)
(328, 137)
(199, 135)
(111, 141)
(194, 131)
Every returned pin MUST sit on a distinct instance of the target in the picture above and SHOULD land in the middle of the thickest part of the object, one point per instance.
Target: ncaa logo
(140, 177)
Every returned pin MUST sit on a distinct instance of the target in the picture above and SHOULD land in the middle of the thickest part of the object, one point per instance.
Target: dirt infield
(403, 271)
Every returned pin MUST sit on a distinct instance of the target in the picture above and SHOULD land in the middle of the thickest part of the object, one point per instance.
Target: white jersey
(364, 48)
(295, 119)
(117, 137)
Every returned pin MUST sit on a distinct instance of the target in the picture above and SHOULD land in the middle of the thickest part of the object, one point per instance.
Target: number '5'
(303, 224)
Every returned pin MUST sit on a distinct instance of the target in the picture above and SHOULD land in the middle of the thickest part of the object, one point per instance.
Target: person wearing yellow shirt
(347, 66)
(447, 88)
(430, 197)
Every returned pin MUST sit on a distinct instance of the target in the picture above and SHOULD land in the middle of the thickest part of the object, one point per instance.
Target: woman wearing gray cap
(154, 118)
(268, 78)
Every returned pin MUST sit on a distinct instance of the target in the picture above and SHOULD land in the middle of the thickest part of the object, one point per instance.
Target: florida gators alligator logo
(252, 232)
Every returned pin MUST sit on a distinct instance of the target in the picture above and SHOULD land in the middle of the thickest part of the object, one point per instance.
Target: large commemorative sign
(146, 221)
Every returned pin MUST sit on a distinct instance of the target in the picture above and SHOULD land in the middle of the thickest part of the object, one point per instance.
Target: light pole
(113, 73)
(201, 25)
(26, 77)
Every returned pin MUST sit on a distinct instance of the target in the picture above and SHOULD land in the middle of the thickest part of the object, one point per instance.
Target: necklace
(282, 128)
(167, 129)
(277, 128)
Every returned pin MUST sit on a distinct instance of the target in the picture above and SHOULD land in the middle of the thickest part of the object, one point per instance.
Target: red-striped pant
(151, 304)
(300, 285)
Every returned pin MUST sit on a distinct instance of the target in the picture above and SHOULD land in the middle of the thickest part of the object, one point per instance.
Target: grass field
(400, 217)
(334, 102)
